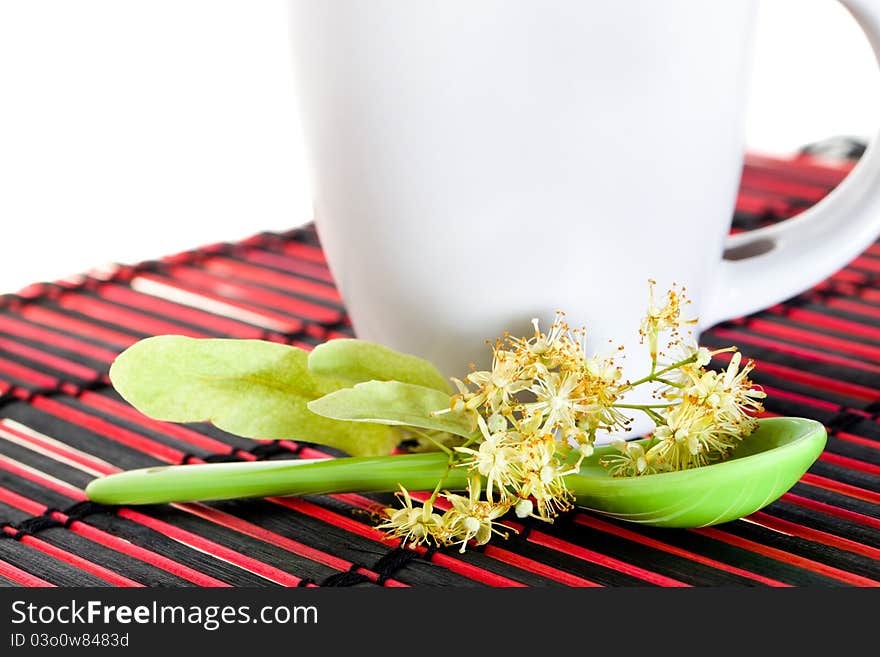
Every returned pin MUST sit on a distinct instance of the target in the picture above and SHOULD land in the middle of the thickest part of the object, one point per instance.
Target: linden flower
(692, 436)
(524, 508)
(687, 357)
(544, 352)
(597, 416)
(730, 393)
(601, 388)
(471, 518)
(413, 525)
(558, 400)
(630, 462)
(541, 353)
(743, 395)
(543, 476)
(602, 372)
(458, 404)
(601, 380)
(498, 385)
(663, 318)
(494, 458)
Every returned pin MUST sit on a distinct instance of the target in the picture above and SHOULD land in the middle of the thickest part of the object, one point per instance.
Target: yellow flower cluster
(707, 412)
(537, 411)
(664, 319)
(468, 518)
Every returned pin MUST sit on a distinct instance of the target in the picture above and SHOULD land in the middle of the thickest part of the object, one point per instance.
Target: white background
(130, 129)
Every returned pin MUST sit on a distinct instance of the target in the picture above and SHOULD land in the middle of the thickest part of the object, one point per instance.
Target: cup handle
(768, 265)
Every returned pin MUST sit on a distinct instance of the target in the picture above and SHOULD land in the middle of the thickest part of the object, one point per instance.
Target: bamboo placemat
(61, 425)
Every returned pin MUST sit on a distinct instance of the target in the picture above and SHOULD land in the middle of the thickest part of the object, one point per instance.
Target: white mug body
(478, 163)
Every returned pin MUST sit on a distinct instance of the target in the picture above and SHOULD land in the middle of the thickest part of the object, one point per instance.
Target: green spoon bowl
(760, 470)
(763, 467)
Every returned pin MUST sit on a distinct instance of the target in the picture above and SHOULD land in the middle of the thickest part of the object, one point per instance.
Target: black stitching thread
(874, 409)
(231, 456)
(61, 388)
(345, 579)
(82, 510)
(34, 525)
(8, 396)
(526, 531)
(48, 391)
(267, 450)
(391, 562)
(430, 551)
(222, 458)
(95, 384)
(349, 577)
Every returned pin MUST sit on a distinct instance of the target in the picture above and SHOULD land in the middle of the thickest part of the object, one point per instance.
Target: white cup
(477, 163)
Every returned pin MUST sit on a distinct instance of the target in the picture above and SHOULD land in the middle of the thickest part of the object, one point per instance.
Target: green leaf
(359, 360)
(250, 388)
(393, 402)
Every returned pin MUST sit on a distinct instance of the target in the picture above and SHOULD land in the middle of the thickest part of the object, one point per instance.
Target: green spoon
(761, 468)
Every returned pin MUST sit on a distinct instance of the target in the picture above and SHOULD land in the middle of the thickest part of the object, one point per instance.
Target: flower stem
(450, 462)
(655, 375)
(426, 436)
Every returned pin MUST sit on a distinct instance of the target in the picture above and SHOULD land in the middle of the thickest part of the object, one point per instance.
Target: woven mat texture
(61, 425)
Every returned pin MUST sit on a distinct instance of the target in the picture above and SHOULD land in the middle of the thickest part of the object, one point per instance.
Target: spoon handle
(214, 481)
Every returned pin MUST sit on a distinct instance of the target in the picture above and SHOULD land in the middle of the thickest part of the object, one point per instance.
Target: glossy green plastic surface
(761, 469)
